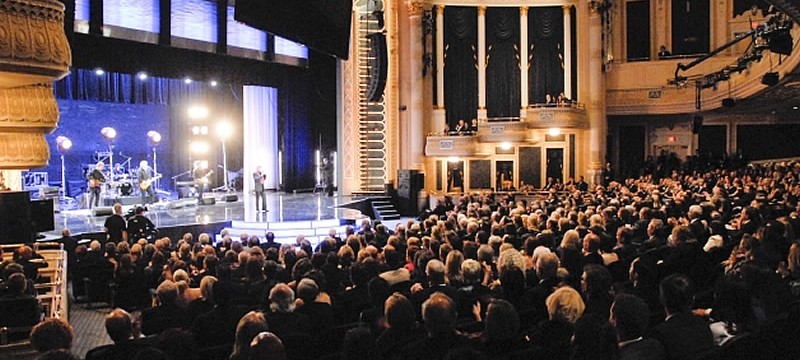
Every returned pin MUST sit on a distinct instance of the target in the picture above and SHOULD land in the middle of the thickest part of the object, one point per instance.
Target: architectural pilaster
(415, 111)
(567, 51)
(523, 59)
(596, 104)
(440, 56)
(482, 62)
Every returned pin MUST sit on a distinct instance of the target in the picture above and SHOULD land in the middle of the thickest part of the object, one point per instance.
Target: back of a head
(399, 312)
(250, 325)
(547, 266)
(307, 290)
(359, 344)
(630, 316)
(435, 270)
(439, 314)
(52, 334)
(118, 325)
(502, 321)
(267, 346)
(676, 293)
(566, 304)
(281, 298)
(167, 293)
(58, 354)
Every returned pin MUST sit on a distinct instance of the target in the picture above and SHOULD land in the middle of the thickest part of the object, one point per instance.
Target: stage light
(204, 130)
(453, 159)
(195, 130)
(63, 143)
(213, 83)
(197, 112)
(99, 71)
(224, 130)
(505, 145)
(554, 131)
(154, 136)
(187, 81)
(199, 147)
(108, 133)
(142, 75)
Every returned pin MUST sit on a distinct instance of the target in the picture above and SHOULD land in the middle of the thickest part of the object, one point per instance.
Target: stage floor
(283, 207)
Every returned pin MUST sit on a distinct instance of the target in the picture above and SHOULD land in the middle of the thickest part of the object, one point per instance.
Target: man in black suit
(683, 334)
(630, 318)
(258, 187)
(582, 185)
(120, 329)
(281, 317)
(696, 224)
(168, 314)
(436, 283)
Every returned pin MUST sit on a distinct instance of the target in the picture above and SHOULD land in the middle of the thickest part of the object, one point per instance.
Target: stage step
(384, 209)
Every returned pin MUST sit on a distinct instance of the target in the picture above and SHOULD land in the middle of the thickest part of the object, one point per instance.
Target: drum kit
(121, 178)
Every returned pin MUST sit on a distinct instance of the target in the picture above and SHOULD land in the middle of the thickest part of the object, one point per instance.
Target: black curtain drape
(460, 63)
(546, 48)
(502, 67)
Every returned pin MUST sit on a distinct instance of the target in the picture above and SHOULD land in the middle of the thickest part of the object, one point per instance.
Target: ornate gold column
(34, 53)
(415, 111)
(567, 51)
(482, 62)
(523, 60)
(596, 107)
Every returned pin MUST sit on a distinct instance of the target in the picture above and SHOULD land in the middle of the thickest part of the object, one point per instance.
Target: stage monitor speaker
(207, 201)
(770, 79)
(230, 198)
(102, 211)
(697, 124)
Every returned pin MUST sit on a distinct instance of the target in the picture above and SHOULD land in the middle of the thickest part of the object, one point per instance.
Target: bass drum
(126, 189)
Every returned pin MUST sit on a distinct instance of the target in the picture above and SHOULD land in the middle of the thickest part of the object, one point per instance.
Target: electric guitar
(203, 179)
(144, 184)
(93, 183)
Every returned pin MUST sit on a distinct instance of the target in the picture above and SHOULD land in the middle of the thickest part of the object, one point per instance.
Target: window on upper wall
(290, 48)
(136, 20)
(81, 16)
(690, 27)
(244, 40)
(194, 24)
(637, 28)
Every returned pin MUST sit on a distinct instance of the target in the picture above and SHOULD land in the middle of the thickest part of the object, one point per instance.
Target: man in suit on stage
(261, 192)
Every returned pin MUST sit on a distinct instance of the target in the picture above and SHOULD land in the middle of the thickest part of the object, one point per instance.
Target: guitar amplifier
(207, 201)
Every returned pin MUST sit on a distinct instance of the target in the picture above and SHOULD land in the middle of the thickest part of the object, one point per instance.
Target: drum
(126, 188)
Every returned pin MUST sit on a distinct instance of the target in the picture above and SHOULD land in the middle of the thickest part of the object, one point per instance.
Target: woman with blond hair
(250, 325)
(564, 307)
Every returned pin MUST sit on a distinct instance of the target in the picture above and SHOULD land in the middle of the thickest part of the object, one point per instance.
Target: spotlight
(142, 75)
(505, 145)
(198, 112)
(771, 78)
(99, 71)
(108, 133)
(204, 130)
(195, 130)
(154, 137)
(187, 80)
(224, 130)
(63, 143)
(453, 159)
(199, 147)
(554, 131)
(213, 83)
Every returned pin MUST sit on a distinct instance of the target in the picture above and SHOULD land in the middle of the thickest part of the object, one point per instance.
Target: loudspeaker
(697, 124)
(102, 211)
(230, 198)
(207, 201)
(378, 66)
(770, 79)
(780, 42)
(728, 102)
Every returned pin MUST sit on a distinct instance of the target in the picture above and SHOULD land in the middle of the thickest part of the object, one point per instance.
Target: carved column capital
(482, 10)
(523, 11)
(415, 8)
(439, 9)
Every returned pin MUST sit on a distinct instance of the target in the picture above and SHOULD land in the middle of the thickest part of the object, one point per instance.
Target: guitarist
(146, 178)
(200, 174)
(96, 180)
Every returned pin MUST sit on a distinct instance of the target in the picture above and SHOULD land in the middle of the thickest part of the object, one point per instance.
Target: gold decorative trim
(22, 151)
(415, 8)
(523, 11)
(28, 109)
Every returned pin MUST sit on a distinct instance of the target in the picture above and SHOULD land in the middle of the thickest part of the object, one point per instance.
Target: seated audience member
(546, 269)
(359, 344)
(564, 307)
(319, 312)
(205, 302)
(251, 324)
(151, 353)
(500, 336)
(439, 317)
(630, 319)
(402, 325)
(594, 339)
(167, 314)
(281, 316)
(472, 290)
(218, 326)
(119, 328)
(267, 346)
(596, 286)
(52, 334)
(683, 334)
(178, 344)
(18, 308)
(434, 271)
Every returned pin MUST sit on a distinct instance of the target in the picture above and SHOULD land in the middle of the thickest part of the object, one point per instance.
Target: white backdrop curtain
(260, 141)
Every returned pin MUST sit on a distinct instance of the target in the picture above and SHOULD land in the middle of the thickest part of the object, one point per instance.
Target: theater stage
(288, 214)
